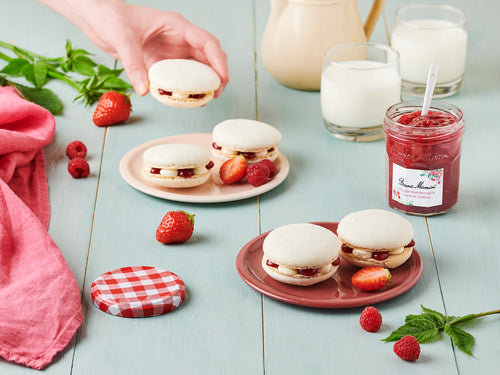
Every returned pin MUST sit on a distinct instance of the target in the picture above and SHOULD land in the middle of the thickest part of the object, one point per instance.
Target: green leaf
(40, 70)
(14, 67)
(117, 84)
(42, 97)
(104, 71)
(421, 327)
(82, 66)
(462, 340)
(436, 314)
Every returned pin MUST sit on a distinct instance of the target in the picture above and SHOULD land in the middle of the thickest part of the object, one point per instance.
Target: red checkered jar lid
(136, 292)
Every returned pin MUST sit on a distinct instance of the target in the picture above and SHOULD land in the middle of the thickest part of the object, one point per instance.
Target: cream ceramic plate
(210, 192)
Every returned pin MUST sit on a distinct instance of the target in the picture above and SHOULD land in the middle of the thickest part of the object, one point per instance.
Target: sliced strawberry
(371, 278)
(233, 170)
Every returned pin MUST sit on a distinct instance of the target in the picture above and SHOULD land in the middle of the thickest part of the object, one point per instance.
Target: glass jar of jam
(423, 157)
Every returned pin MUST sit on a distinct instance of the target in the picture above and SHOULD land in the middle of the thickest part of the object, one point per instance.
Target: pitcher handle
(371, 20)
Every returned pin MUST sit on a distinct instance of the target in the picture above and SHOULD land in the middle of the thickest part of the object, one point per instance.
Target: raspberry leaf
(430, 323)
(421, 327)
(462, 339)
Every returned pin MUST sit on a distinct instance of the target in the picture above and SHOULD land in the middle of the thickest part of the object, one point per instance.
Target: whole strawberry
(176, 226)
(407, 348)
(112, 108)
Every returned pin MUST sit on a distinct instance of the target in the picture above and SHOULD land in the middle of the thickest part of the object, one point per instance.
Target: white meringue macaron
(301, 254)
(176, 165)
(254, 140)
(375, 237)
(182, 83)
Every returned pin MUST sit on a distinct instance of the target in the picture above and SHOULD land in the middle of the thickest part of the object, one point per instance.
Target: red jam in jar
(423, 157)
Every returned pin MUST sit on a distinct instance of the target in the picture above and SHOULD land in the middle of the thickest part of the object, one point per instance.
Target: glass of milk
(423, 34)
(359, 82)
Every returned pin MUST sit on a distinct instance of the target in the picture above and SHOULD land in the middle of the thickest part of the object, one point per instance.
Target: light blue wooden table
(225, 327)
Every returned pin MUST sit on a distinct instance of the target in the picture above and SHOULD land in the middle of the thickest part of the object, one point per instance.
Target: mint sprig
(76, 68)
(428, 325)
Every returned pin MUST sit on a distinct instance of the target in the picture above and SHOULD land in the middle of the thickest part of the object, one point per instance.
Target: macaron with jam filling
(182, 83)
(176, 165)
(301, 254)
(375, 237)
(254, 140)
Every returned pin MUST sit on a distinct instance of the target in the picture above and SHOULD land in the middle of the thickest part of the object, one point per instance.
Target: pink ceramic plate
(336, 292)
(211, 191)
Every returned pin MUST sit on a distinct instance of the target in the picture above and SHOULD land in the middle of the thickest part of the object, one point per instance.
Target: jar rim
(407, 131)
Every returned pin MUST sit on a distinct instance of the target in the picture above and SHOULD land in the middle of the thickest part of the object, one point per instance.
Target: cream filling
(262, 153)
(364, 254)
(173, 173)
(294, 272)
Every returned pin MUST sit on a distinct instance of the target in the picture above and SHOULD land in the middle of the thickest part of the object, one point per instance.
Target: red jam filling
(304, 271)
(191, 96)
(380, 255)
(308, 271)
(216, 146)
(210, 165)
(155, 171)
(346, 249)
(427, 154)
(248, 155)
(185, 173)
(163, 92)
(271, 264)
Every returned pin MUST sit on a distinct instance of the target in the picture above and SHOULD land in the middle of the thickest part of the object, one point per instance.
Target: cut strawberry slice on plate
(371, 278)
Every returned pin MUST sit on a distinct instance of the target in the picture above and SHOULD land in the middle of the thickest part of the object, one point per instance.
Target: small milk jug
(298, 32)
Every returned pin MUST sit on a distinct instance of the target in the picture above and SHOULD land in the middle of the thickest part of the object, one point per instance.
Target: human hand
(139, 36)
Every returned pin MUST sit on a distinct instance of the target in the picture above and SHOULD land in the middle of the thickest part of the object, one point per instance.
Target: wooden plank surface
(225, 327)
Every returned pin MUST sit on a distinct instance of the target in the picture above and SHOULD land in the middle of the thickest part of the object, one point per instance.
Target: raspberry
(76, 149)
(257, 174)
(407, 348)
(78, 168)
(370, 319)
(269, 164)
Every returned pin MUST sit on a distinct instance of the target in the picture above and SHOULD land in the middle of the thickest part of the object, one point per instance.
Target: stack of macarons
(254, 140)
(182, 83)
(176, 165)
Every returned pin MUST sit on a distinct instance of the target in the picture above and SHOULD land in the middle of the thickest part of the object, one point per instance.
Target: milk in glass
(357, 93)
(423, 41)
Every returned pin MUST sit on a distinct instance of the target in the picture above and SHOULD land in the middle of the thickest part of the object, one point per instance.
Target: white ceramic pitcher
(298, 32)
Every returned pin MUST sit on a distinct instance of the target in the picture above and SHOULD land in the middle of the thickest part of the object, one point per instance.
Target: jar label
(417, 187)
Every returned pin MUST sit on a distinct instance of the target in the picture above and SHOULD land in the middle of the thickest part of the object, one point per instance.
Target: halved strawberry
(233, 170)
(371, 278)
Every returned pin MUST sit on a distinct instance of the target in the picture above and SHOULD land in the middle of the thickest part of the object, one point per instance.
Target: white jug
(298, 32)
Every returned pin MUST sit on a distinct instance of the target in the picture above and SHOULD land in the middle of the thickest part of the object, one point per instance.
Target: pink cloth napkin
(40, 308)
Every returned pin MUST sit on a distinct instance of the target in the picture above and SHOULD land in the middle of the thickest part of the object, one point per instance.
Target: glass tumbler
(359, 82)
(423, 34)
